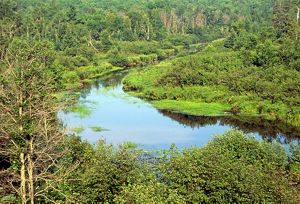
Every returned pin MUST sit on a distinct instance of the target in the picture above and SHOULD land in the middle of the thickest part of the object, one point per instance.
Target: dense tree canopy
(234, 57)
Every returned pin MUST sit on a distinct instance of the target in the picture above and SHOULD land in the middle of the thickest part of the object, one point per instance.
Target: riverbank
(130, 55)
(197, 85)
(180, 83)
(126, 116)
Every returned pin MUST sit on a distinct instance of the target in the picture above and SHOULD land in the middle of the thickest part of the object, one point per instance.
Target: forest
(202, 58)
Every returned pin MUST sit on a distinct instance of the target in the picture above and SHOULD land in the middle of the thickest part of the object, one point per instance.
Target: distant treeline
(54, 45)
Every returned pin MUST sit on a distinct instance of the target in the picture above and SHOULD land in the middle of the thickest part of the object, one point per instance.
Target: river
(124, 118)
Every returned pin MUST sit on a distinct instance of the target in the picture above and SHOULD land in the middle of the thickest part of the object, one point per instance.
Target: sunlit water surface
(125, 118)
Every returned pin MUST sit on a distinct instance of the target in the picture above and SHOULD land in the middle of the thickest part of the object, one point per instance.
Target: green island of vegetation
(218, 58)
(224, 79)
(98, 129)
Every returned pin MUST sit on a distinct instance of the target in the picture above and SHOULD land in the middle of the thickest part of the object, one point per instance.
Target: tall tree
(29, 131)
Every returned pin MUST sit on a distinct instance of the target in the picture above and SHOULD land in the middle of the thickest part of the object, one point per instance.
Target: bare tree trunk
(22, 155)
(30, 172)
(91, 43)
(23, 179)
(36, 152)
(148, 32)
(298, 14)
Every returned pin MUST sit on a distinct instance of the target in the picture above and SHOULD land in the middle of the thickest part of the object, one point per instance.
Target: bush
(139, 47)
(104, 172)
(232, 168)
(70, 77)
(183, 39)
(119, 60)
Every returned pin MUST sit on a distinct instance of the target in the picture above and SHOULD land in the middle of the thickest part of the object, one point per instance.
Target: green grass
(148, 76)
(72, 85)
(207, 99)
(91, 72)
(144, 84)
(193, 108)
(78, 129)
(98, 129)
(87, 74)
(81, 110)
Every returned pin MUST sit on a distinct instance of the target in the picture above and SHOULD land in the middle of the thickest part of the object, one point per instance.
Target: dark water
(129, 119)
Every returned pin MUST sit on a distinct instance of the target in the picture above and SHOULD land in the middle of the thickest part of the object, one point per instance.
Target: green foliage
(193, 108)
(78, 129)
(98, 129)
(81, 110)
(11, 198)
(252, 69)
(104, 172)
(233, 167)
(29, 80)
(70, 77)
(251, 72)
(295, 152)
(139, 53)
(150, 192)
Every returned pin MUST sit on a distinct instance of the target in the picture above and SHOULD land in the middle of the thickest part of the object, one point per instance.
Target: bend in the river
(117, 117)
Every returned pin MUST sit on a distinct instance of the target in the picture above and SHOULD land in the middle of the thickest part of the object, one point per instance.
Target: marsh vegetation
(189, 64)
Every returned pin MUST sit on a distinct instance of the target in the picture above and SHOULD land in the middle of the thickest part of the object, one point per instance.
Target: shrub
(119, 60)
(232, 168)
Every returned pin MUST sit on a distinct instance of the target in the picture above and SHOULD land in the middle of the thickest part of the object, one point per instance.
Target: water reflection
(131, 119)
(268, 130)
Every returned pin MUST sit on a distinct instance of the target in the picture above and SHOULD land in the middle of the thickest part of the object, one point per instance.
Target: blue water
(129, 119)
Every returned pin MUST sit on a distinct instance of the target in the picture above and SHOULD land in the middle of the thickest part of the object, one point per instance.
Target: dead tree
(298, 14)
(30, 135)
